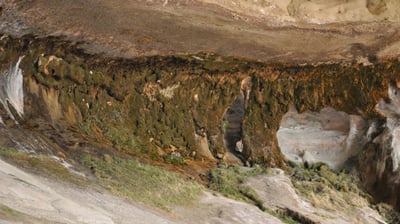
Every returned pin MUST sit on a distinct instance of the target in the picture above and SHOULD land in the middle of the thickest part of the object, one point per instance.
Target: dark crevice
(232, 127)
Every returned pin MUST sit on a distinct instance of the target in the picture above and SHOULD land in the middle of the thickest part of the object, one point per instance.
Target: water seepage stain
(11, 90)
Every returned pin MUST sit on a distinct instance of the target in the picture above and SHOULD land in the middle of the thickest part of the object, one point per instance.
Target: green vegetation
(224, 125)
(336, 190)
(229, 181)
(329, 189)
(122, 139)
(41, 165)
(283, 216)
(87, 128)
(391, 215)
(9, 214)
(175, 160)
(119, 100)
(6, 211)
(322, 174)
(128, 178)
(141, 182)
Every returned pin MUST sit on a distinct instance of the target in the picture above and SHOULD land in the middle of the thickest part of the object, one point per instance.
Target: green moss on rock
(155, 102)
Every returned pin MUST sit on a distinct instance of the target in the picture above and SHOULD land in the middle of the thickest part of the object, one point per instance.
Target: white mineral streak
(396, 148)
(11, 90)
(392, 113)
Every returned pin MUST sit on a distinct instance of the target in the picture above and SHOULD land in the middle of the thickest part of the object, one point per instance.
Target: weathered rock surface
(379, 163)
(64, 90)
(268, 30)
(35, 199)
(45, 201)
(215, 209)
(315, 11)
(278, 193)
(328, 136)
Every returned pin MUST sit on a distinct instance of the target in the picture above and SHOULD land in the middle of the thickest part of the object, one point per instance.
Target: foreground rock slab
(278, 193)
(216, 209)
(35, 199)
(51, 202)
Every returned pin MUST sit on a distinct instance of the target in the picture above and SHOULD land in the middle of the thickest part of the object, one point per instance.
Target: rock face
(379, 163)
(129, 103)
(160, 107)
(327, 136)
(392, 112)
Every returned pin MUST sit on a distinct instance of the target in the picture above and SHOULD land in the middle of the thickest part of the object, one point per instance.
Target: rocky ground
(32, 198)
(27, 198)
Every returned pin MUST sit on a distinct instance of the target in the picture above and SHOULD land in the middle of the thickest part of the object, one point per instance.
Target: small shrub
(327, 188)
(121, 138)
(175, 160)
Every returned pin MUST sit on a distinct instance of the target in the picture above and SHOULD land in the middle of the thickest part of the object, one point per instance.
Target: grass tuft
(175, 160)
(141, 182)
(42, 165)
(14, 216)
(229, 182)
(329, 189)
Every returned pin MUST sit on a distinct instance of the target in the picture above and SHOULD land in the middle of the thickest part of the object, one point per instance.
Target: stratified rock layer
(266, 30)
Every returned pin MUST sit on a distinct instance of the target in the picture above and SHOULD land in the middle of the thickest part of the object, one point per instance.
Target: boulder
(328, 136)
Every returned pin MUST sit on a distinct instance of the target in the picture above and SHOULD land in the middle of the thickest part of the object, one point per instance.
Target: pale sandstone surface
(47, 201)
(296, 31)
(278, 192)
(216, 209)
(328, 136)
(52, 202)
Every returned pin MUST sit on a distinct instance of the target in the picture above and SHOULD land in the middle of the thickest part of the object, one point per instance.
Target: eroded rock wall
(379, 162)
(175, 106)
